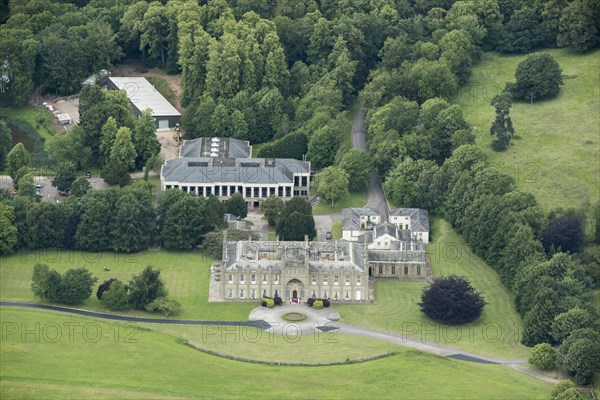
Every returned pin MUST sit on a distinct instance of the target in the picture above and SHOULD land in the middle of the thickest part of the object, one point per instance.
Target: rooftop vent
(197, 164)
(249, 165)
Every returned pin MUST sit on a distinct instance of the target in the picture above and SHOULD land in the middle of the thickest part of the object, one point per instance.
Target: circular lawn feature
(294, 316)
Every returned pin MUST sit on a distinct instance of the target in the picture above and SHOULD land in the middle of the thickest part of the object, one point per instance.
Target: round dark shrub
(263, 303)
(278, 300)
(538, 77)
(452, 300)
(326, 303)
(104, 287)
(310, 301)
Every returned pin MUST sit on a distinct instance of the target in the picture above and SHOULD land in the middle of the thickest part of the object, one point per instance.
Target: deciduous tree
(580, 355)
(332, 183)
(451, 300)
(272, 208)
(5, 143)
(146, 287)
(578, 26)
(538, 77)
(122, 159)
(80, 187)
(116, 297)
(17, 158)
(76, 286)
(359, 167)
(237, 206)
(66, 173)
(183, 224)
(8, 231)
(543, 356)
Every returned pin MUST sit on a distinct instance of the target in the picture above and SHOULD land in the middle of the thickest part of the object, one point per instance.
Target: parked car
(328, 236)
(88, 175)
(63, 193)
(38, 190)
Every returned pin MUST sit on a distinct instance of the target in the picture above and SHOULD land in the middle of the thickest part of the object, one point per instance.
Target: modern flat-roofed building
(143, 96)
(223, 166)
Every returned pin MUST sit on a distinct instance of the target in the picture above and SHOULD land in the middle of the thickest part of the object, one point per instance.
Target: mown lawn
(186, 275)
(108, 362)
(556, 153)
(251, 342)
(352, 199)
(336, 230)
(497, 333)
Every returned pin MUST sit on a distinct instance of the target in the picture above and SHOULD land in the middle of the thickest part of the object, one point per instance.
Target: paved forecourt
(321, 320)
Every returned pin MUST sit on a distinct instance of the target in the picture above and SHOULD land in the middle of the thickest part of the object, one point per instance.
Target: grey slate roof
(419, 218)
(144, 96)
(409, 257)
(351, 217)
(340, 255)
(385, 228)
(215, 147)
(198, 170)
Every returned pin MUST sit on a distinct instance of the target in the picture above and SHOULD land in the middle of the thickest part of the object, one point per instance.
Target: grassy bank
(114, 361)
(497, 333)
(556, 151)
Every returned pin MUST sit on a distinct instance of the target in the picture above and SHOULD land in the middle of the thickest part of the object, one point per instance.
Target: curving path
(327, 322)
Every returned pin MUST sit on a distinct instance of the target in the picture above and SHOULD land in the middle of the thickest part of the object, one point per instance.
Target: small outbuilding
(64, 119)
(143, 96)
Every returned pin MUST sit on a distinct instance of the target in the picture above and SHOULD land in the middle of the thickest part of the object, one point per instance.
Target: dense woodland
(285, 72)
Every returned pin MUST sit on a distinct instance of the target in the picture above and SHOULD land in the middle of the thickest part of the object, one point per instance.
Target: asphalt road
(374, 190)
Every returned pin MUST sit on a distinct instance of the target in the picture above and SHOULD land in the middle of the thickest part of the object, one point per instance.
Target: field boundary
(290, 363)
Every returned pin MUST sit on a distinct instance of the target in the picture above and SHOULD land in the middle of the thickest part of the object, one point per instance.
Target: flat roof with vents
(249, 170)
(215, 147)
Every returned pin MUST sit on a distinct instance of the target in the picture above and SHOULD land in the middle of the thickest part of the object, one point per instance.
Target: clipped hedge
(323, 302)
(317, 304)
(267, 302)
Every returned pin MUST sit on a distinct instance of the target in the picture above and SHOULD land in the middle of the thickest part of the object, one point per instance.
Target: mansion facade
(339, 270)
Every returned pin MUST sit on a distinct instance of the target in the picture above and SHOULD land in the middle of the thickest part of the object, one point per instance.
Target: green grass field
(114, 361)
(555, 155)
(250, 342)
(496, 333)
(186, 275)
(38, 117)
(352, 199)
(336, 230)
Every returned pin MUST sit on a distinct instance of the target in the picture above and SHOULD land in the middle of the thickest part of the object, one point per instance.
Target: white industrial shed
(144, 96)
